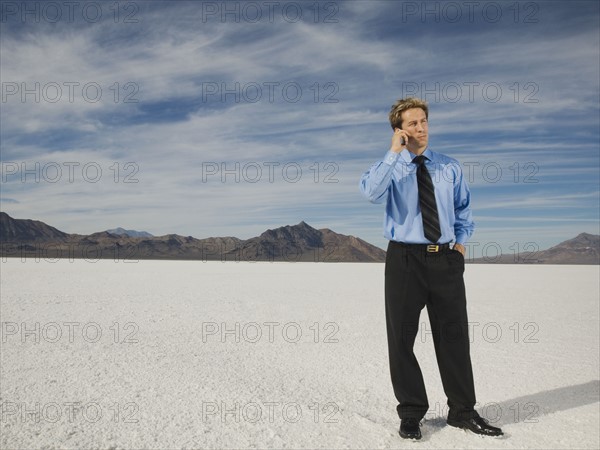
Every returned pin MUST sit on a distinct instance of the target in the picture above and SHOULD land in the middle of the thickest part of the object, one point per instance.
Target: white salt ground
(173, 354)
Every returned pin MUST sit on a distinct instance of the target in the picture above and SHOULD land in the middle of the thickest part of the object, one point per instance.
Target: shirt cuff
(461, 238)
(391, 158)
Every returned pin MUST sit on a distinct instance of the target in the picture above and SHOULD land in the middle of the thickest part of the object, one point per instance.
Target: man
(427, 207)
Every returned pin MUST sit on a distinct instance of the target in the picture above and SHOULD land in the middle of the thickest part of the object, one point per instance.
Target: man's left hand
(460, 248)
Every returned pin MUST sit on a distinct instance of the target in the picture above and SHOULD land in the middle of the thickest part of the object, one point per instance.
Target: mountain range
(130, 233)
(582, 249)
(301, 242)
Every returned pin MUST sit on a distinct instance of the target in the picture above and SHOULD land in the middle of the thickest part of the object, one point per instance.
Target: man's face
(415, 124)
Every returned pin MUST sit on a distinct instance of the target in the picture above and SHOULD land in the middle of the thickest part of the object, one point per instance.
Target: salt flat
(174, 354)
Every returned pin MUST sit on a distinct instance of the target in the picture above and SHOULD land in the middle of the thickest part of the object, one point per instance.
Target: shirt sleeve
(374, 183)
(463, 225)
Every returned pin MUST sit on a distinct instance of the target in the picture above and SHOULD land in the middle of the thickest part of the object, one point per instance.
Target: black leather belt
(429, 248)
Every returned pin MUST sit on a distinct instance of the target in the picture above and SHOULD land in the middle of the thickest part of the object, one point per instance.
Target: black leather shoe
(476, 424)
(410, 428)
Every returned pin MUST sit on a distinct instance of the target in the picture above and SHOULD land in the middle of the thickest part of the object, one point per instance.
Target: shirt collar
(408, 156)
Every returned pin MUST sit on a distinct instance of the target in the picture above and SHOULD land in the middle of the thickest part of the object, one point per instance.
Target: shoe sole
(413, 438)
(406, 436)
(462, 427)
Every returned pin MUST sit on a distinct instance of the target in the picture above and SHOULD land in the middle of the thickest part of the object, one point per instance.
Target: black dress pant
(415, 278)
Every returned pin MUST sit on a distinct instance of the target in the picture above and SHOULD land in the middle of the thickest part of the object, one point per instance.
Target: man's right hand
(397, 137)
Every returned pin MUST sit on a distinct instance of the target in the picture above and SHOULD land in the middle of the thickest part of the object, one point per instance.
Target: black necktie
(431, 220)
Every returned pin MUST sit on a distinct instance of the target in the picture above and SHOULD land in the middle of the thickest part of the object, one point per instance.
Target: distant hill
(301, 242)
(582, 249)
(131, 233)
(25, 230)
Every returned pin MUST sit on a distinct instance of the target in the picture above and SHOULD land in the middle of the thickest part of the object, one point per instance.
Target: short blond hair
(402, 105)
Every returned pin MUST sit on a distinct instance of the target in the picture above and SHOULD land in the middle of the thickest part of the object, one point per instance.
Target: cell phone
(402, 141)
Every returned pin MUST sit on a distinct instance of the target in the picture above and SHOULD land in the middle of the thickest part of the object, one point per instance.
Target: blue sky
(230, 118)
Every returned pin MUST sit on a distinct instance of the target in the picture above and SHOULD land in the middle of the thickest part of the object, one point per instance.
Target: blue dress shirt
(394, 180)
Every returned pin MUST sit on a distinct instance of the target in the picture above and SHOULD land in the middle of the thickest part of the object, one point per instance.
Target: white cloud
(170, 52)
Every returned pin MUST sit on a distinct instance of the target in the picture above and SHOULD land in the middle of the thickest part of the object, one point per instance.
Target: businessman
(427, 207)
